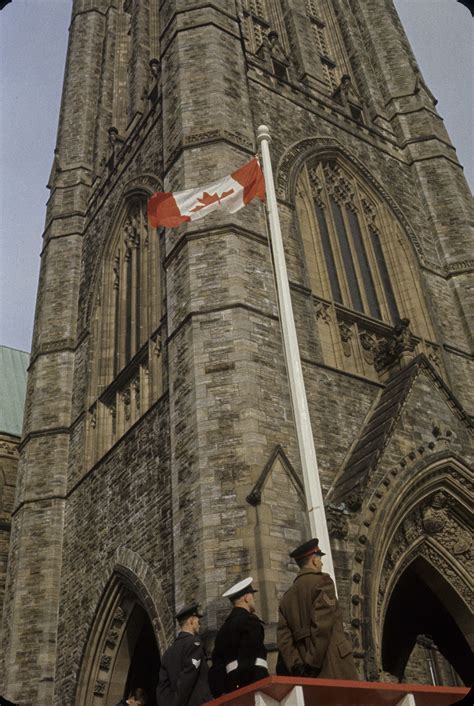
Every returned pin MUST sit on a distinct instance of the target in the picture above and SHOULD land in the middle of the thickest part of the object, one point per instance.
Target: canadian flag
(230, 193)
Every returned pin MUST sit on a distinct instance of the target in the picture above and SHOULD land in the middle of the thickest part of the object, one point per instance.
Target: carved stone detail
(371, 668)
(99, 688)
(112, 638)
(339, 186)
(345, 332)
(431, 519)
(105, 662)
(398, 349)
(119, 617)
(316, 187)
(369, 344)
(322, 310)
(336, 517)
(136, 390)
(434, 355)
(126, 399)
(8, 448)
(93, 417)
(435, 515)
(442, 434)
(370, 213)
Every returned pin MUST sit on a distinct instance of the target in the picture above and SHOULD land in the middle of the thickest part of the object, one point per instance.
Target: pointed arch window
(127, 330)
(359, 264)
(354, 258)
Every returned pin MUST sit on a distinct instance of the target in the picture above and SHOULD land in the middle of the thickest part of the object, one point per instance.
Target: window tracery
(127, 332)
(326, 36)
(359, 267)
(257, 23)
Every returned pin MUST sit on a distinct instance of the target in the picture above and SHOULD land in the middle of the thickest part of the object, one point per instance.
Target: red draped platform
(335, 692)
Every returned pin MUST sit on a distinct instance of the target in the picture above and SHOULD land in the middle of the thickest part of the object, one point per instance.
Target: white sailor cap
(240, 589)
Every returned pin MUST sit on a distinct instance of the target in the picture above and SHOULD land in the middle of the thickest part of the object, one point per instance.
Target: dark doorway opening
(145, 656)
(416, 609)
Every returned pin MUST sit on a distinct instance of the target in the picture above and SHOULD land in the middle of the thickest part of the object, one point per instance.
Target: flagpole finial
(263, 133)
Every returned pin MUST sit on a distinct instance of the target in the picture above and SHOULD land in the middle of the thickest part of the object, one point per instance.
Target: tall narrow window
(127, 368)
(359, 266)
(346, 253)
(352, 250)
(328, 254)
(328, 41)
(364, 265)
(257, 23)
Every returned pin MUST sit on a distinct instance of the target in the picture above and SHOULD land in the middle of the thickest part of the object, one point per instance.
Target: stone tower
(159, 461)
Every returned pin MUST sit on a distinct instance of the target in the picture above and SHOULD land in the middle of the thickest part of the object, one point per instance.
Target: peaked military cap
(187, 612)
(240, 589)
(306, 549)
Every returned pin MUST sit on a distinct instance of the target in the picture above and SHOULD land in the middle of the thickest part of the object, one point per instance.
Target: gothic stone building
(159, 461)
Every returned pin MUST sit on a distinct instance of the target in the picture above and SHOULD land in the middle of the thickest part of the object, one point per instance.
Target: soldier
(310, 634)
(183, 671)
(239, 657)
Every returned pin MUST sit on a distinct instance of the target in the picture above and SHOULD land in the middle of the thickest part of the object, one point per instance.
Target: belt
(231, 666)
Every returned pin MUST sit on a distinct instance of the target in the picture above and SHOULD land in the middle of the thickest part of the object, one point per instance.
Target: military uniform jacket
(310, 629)
(239, 655)
(183, 673)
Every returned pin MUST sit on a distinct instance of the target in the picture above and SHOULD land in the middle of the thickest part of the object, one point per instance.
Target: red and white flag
(230, 193)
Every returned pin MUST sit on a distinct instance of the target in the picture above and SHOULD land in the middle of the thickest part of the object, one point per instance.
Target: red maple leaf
(208, 199)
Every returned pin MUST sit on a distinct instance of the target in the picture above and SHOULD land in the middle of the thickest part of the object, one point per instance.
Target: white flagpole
(312, 485)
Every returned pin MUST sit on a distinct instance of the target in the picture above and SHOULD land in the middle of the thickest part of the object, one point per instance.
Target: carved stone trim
(9, 447)
(345, 332)
(435, 492)
(255, 496)
(337, 521)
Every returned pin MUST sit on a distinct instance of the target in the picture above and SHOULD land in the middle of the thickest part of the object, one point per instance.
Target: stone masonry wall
(174, 489)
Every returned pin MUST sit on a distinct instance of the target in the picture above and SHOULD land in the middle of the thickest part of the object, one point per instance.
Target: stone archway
(132, 626)
(123, 651)
(425, 615)
(137, 659)
(416, 517)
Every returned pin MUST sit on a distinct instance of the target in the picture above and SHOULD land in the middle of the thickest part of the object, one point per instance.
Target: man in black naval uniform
(183, 679)
(239, 657)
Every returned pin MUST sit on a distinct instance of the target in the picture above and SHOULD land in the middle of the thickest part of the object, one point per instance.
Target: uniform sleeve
(188, 677)
(286, 646)
(163, 690)
(323, 616)
(251, 646)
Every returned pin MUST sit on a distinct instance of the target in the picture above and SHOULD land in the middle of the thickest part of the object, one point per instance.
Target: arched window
(360, 267)
(126, 369)
(327, 39)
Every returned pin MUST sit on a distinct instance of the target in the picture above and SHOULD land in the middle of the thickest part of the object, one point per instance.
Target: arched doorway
(423, 604)
(123, 650)
(138, 659)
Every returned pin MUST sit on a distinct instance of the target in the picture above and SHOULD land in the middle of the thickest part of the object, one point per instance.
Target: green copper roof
(13, 365)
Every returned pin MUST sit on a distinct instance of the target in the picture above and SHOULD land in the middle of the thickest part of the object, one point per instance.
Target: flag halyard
(231, 193)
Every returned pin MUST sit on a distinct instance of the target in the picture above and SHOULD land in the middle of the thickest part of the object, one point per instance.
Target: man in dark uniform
(310, 635)
(239, 657)
(183, 671)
